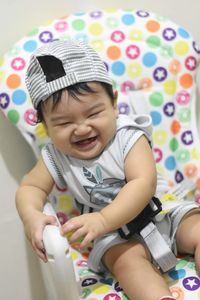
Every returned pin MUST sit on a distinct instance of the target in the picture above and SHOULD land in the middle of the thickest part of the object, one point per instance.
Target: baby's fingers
(41, 253)
(81, 232)
(70, 226)
(50, 220)
(38, 246)
(87, 240)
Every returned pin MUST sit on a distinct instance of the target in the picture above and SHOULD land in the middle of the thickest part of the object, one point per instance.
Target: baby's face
(82, 128)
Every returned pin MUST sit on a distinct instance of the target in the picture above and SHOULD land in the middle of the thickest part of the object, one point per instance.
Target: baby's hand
(34, 231)
(89, 226)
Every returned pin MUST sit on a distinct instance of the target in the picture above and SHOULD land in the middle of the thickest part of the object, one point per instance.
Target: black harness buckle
(144, 218)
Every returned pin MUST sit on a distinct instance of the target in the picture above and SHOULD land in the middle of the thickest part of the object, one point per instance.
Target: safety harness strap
(144, 226)
(160, 251)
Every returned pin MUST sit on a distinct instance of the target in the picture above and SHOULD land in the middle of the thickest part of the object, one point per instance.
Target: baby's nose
(82, 129)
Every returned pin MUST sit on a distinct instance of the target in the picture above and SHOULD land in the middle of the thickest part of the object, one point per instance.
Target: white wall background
(20, 276)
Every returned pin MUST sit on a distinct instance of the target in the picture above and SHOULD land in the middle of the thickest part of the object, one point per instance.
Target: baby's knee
(126, 255)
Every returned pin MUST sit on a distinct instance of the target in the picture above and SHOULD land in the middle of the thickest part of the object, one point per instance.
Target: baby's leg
(188, 237)
(130, 263)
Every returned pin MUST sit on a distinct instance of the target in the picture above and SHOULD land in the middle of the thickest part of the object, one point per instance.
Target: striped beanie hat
(60, 64)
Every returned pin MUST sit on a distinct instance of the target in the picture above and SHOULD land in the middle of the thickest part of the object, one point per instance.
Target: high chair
(153, 63)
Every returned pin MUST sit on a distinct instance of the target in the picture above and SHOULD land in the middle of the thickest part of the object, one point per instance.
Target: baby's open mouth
(86, 142)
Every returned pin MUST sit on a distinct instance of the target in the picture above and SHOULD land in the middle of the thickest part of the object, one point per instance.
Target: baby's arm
(140, 173)
(30, 199)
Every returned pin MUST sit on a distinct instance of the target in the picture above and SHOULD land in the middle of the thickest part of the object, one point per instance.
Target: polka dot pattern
(143, 52)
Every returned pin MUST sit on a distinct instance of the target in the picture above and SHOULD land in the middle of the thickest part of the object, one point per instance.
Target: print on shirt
(103, 190)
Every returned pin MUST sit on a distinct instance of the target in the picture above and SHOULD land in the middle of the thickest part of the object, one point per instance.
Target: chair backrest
(153, 63)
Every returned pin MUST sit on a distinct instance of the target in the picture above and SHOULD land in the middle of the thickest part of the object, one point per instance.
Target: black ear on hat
(51, 66)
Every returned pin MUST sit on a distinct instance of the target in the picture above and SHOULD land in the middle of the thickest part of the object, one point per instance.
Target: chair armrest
(67, 284)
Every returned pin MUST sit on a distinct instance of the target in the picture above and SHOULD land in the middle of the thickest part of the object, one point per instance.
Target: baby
(105, 160)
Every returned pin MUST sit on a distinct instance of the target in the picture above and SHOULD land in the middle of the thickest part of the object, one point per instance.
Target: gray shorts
(166, 225)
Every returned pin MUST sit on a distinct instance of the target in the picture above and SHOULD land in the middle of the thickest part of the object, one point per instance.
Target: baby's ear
(115, 95)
